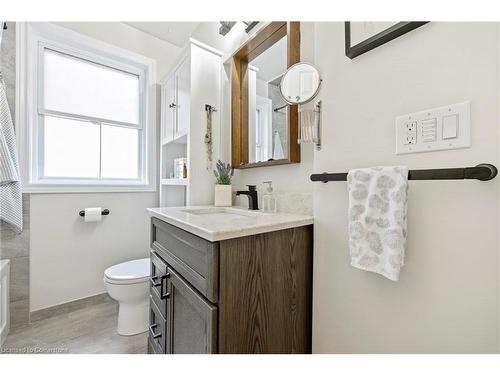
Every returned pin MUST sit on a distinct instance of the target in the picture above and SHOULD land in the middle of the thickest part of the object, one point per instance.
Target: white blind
(76, 86)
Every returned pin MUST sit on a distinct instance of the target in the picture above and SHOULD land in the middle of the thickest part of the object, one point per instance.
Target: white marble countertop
(222, 223)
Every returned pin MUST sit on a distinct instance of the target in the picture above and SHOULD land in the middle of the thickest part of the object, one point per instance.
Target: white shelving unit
(175, 181)
(196, 80)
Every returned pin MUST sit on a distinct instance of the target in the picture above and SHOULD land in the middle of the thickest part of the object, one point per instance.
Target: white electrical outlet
(442, 128)
(410, 137)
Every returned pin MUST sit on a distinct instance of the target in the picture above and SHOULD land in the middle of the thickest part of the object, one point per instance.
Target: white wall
(68, 257)
(132, 39)
(447, 298)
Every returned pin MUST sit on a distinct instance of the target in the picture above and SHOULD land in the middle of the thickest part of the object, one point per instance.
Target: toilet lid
(134, 271)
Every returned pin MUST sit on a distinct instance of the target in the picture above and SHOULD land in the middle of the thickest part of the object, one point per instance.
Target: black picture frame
(378, 39)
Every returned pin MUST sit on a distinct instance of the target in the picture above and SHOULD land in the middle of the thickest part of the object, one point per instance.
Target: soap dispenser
(268, 199)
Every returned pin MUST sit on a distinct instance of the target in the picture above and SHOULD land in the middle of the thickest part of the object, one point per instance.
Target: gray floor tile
(91, 329)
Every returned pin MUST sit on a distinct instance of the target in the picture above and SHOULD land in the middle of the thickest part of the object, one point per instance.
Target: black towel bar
(103, 212)
(482, 172)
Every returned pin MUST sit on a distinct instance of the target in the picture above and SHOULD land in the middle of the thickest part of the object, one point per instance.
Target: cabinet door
(158, 330)
(183, 98)
(192, 320)
(169, 112)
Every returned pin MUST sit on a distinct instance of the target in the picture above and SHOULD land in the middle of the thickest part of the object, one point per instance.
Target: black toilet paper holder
(103, 212)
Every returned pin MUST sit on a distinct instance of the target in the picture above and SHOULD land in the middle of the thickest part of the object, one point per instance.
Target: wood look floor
(88, 330)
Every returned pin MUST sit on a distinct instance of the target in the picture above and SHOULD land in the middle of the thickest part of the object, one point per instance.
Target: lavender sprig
(223, 173)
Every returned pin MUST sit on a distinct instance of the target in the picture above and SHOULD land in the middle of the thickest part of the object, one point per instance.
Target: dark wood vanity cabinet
(245, 295)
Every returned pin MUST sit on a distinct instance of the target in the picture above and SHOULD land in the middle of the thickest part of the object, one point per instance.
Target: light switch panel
(450, 126)
(436, 129)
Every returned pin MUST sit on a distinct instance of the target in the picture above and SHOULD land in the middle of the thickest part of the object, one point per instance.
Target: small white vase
(223, 195)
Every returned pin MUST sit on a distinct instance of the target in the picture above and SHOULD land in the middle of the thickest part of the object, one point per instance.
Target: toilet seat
(132, 272)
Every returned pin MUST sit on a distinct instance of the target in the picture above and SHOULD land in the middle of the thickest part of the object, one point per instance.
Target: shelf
(182, 139)
(175, 181)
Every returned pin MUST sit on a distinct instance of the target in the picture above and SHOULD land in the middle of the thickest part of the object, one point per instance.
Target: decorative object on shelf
(223, 188)
(361, 37)
(179, 166)
(299, 85)
(209, 109)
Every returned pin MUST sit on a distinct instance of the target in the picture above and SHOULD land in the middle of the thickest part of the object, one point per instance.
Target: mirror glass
(300, 83)
(267, 110)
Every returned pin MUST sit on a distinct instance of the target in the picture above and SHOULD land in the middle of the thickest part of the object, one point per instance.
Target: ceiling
(177, 33)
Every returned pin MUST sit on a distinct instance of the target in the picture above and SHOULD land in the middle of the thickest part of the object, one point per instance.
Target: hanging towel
(11, 207)
(377, 219)
(307, 125)
(278, 147)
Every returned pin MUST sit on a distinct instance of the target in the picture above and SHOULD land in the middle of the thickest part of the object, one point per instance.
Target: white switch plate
(416, 132)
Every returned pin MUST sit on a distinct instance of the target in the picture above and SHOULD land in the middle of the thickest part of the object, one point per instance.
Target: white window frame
(32, 39)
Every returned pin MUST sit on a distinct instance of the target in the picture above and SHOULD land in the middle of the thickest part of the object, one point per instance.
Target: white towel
(378, 200)
(307, 125)
(11, 206)
(278, 147)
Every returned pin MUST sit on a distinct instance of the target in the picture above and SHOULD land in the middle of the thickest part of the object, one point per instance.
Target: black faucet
(253, 202)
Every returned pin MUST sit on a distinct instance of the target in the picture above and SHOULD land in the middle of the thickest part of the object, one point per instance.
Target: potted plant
(223, 188)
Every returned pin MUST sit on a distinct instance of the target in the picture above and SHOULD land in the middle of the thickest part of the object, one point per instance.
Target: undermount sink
(226, 212)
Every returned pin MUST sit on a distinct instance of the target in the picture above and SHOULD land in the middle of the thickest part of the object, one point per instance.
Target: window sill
(49, 188)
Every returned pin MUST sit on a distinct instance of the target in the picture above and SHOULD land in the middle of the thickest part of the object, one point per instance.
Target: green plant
(223, 173)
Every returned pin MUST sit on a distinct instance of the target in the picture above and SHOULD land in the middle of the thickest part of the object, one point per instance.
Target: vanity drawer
(157, 329)
(194, 258)
(158, 283)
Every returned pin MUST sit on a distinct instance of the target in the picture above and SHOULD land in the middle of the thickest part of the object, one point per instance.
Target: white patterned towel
(378, 200)
(11, 207)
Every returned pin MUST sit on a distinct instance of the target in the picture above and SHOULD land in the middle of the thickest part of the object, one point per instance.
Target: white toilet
(128, 283)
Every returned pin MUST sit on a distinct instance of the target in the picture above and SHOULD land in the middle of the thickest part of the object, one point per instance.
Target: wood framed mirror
(264, 128)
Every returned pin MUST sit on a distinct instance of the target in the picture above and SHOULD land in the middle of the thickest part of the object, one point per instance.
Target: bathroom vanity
(227, 280)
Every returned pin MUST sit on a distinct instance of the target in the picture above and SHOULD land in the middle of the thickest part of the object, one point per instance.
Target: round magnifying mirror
(300, 84)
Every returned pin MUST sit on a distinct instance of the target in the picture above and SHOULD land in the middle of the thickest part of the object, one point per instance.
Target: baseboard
(68, 307)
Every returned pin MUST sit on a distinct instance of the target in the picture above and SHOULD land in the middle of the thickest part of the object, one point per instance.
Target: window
(89, 125)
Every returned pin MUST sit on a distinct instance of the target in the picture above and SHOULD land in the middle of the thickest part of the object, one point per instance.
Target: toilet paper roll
(93, 214)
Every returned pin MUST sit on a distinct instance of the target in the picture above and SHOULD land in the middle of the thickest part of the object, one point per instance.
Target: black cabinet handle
(161, 284)
(172, 105)
(154, 282)
(163, 294)
(152, 331)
